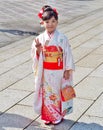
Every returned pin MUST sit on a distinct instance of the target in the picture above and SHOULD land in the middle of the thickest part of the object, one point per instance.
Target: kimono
(48, 68)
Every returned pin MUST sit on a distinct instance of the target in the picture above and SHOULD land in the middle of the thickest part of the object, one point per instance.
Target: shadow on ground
(14, 121)
(66, 124)
(18, 32)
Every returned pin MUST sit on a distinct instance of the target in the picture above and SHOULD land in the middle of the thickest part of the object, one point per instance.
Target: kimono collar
(48, 36)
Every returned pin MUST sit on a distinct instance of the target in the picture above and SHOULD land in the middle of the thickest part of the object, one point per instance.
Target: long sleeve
(69, 62)
(34, 57)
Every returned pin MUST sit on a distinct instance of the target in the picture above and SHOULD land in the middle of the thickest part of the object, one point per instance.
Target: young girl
(52, 61)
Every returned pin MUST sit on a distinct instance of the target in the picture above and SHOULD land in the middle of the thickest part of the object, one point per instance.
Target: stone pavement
(85, 33)
(18, 18)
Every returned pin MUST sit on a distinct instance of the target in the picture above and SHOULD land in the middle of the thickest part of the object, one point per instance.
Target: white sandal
(57, 122)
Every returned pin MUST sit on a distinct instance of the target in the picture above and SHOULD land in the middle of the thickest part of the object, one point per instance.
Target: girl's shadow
(66, 124)
(8, 120)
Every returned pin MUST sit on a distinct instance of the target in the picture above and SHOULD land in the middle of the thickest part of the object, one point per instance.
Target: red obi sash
(53, 57)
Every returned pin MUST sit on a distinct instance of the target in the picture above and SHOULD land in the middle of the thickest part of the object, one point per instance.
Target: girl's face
(50, 25)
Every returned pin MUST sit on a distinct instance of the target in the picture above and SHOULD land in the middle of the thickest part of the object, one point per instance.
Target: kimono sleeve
(69, 62)
(34, 57)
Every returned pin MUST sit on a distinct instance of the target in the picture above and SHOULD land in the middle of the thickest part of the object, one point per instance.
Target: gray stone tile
(91, 61)
(97, 108)
(77, 24)
(98, 72)
(18, 44)
(15, 75)
(92, 43)
(28, 101)
(79, 107)
(99, 50)
(100, 36)
(89, 123)
(88, 119)
(14, 51)
(17, 117)
(80, 52)
(83, 28)
(15, 61)
(84, 37)
(26, 84)
(10, 97)
(80, 73)
(89, 88)
(36, 128)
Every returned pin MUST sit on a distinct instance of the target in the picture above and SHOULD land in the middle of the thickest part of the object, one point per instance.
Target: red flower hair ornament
(40, 14)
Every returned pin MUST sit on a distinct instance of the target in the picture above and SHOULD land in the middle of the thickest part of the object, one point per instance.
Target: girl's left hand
(67, 74)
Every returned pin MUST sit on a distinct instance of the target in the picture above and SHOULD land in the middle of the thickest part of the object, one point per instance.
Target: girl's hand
(38, 46)
(67, 74)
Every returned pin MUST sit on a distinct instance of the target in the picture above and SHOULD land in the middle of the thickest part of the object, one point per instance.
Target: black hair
(48, 13)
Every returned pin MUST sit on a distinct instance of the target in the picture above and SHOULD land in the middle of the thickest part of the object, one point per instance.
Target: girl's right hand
(38, 46)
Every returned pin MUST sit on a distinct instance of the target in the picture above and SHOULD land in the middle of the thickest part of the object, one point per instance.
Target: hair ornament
(55, 11)
(40, 14)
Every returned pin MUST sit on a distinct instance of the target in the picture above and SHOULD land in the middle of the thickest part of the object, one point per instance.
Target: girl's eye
(47, 22)
(53, 21)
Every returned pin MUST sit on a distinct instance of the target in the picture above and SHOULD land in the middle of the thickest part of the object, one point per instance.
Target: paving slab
(28, 101)
(98, 72)
(99, 50)
(81, 52)
(84, 37)
(95, 110)
(17, 117)
(84, 29)
(15, 75)
(26, 84)
(8, 98)
(78, 23)
(89, 123)
(28, 20)
(14, 62)
(91, 61)
(17, 44)
(81, 73)
(13, 52)
(89, 88)
(93, 43)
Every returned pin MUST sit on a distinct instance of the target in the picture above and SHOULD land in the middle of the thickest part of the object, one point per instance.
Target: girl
(52, 61)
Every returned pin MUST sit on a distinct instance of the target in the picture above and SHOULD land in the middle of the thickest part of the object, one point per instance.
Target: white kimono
(48, 70)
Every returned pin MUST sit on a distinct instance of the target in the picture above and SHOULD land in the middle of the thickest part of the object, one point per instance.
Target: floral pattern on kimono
(51, 79)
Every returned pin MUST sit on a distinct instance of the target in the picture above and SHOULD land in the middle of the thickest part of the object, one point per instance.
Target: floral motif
(53, 97)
